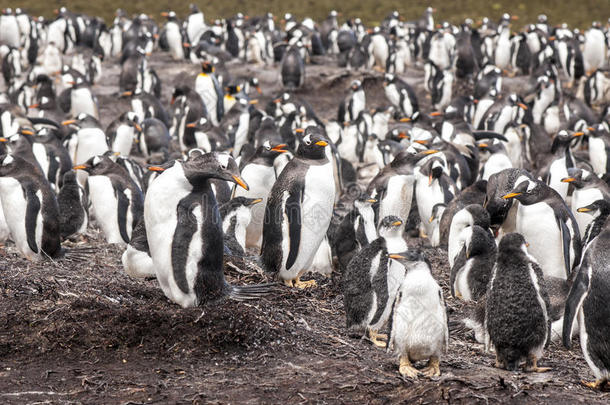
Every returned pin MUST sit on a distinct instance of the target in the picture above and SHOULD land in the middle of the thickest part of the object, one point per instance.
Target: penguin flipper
(460, 261)
(31, 215)
(578, 293)
(122, 207)
(186, 227)
(292, 209)
(566, 239)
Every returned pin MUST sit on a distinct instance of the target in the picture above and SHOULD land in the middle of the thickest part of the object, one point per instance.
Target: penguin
(73, 203)
(466, 63)
(136, 258)
(195, 24)
(588, 188)
(292, 69)
(473, 194)
(418, 329)
(87, 141)
(132, 68)
(208, 87)
(116, 200)
(461, 228)
(472, 268)
(435, 221)
(599, 149)
(82, 100)
(401, 95)
(259, 172)
(123, 132)
(188, 109)
(588, 300)
(600, 211)
(517, 307)
(30, 209)
(370, 282)
(173, 35)
(354, 104)
(594, 48)
(299, 210)
(555, 241)
(236, 216)
(154, 139)
(561, 161)
(9, 29)
(184, 229)
(147, 105)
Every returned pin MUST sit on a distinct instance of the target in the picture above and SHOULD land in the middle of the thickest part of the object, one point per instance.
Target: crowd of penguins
(515, 186)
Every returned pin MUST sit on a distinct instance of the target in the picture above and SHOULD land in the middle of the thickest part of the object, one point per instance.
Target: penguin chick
(517, 305)
(236, 216)
(73, 203)
(418, 328)
(136, 258)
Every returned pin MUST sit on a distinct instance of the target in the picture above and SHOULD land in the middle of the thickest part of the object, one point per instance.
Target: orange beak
(34, 106)
(156, 169)
(191, 124)
(279, 148)
(322, 143)
(27, 132)
(79, 167)
(68, 122)
(436, 114)
(258, 89)
(522, 106)
(406, 119)
(241, 182)
(299, 130)
(567, 179)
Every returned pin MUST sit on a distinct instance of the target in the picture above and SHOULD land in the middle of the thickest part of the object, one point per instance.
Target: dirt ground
(84, 332)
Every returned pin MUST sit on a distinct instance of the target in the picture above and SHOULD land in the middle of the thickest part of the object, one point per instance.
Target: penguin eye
(307, 142)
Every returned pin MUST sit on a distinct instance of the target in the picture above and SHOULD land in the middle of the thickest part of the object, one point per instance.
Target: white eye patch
(8, 160)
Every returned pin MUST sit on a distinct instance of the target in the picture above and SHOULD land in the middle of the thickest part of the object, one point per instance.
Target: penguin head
(364, 201)
(201, 125)
(238, 203)
(391, 226)
(480, 241)
(22, 139)
(207, 67)
(10, 165)
(580, 178)
(213, 165)
(82, 120)
(433, 168)
(563, 139)
(526, 190)
(270, 151)
(69, 177)
(512, 244)
(313, 143)
(596, 208)
(599, 130)
(356, 85)
(98, 166)
(437, 212)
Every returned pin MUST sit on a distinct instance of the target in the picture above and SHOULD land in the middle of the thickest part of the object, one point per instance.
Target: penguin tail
(79, 254)
(253, 291)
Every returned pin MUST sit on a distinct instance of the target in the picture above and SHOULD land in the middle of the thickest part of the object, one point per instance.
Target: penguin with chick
(418, 329)
(517, 307)
(184, 230)
(299, 210)
(371, 281)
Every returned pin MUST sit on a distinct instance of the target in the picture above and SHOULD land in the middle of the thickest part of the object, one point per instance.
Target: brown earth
(84, 332)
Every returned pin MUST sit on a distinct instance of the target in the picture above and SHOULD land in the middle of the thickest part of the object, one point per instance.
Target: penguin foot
(378, 339)
(300, 284)
(500, 363)
(406, 369)
(532, 366)
(433, 369)
(596, 385)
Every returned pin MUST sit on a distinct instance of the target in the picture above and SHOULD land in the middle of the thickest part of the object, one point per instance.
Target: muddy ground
(84, 332)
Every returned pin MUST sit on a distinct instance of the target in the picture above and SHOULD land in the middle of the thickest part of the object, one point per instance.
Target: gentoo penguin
(588, 298)
(594, 48)
(236, 216)
(599, 149)
(9, 29)
(354, 104)
(116, 200)
(208, 87)
(82, 99)
(418, 328)
(555, 240)
(600, 211)
(588, 188)
(87, 141)
(136, 259)
(401, 95)
(517, 307)
(30, 209)
(293, 68)
(472, 268)
(173, 36)
(473, 194)
(371, 280)
(123, 132)
(299, 210)
(154, 139)
(184, 229)
(461, 227)
(435, 221)
(259, 172)
(195, 24)
(73, 204)
(561, 161)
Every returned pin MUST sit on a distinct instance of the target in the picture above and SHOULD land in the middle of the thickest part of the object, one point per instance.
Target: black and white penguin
(189, 108)
(147, 105)
(154, 139)
(517, 307)
(292, 69)
(123, 132)
(418, 329)
(599, 149)
(82, 99)
(555, 240)
(299, 210)
(30, 209)
(461, 227)
(136, 258)
(9, 29)
(370, 284)
(354, 103)
(259, 172)
(594, 48)
(73, 203)
(210, 90)
(600, 211)
(560, 162)
(87, 141)
(116, 200)
(236, 216)
(588, 299)
(588, 188)
(184, 229)
(472, 268)
(401, 95)
(173, 34)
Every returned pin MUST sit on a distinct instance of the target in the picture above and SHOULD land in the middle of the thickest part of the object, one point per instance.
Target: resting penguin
(369, 284)
(549, 226)
(418, 328)
(116, 200)
(472, 268)
(588, 298)
(184, 229)
(299, 210)
(73, 203)
(123, 132)
(517, 307)
(236, 215)
(30, 209)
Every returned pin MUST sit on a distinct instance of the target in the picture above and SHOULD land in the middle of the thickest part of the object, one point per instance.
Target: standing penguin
(210, 90)
(173, 34)
(30, 209)
(116, 199)
(293, 68)
(419, 319)
(354, 103)
(236, 216)
(82, 99)
(401, 95)
(184, 229)
(517, 307)
(73, 203)
(299, 210)
(122, 133)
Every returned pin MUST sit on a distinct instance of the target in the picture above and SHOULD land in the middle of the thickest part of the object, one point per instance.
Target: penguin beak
(191, 124)
(34, 106)
(80, 167)
(253, 101)
(258, 89)
(431, 219)
(277, 100)
(186, 45)
(27, 132)
(405, 119)
(372, 200)
(126, 94)
(299, 130)
(137, 126)
(256, 201)
(430, 179)
(68, 122)
(421, 142)
(483, 145)
(522, 106)
(429, 152)
(403, 135)
(591, 129)
(583, 209)
(575, 134)
(241, 182)
(435, 114)
(3, 140)
(164, 14)
(156, 169)
(510, 195)
(396, 223)
(396, 257)
(567, 179)
(322, 143)
(279, 148)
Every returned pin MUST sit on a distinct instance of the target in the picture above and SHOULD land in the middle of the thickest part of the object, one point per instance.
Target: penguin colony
(515, 186)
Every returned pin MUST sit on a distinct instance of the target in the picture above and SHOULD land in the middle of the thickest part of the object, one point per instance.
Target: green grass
(576, 13)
